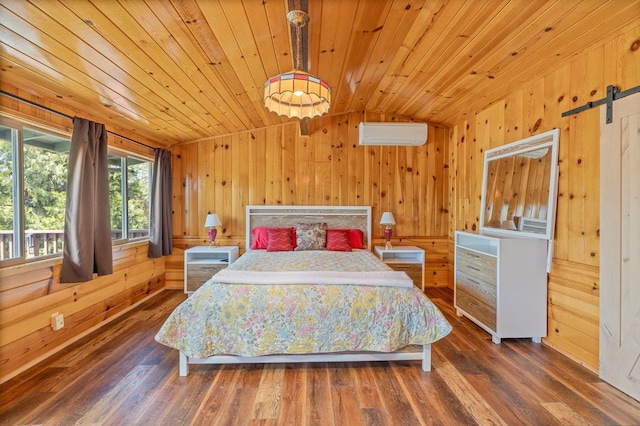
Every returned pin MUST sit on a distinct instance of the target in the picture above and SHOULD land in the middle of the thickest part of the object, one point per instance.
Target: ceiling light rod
(297, 93)
(298, 18)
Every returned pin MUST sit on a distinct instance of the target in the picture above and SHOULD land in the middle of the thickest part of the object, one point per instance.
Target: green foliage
(45, 188)
(115, 192)
(6, 186)
(138, 183)
(45, 181)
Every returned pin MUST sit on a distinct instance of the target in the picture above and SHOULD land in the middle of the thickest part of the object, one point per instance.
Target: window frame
(18, 125)
(124, 187)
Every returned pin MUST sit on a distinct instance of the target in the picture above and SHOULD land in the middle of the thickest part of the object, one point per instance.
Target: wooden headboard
(355, 217)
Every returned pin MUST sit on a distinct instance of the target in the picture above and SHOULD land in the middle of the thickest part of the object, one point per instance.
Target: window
(138, 197)
(33, 179)
(7, 159)
(129, 220)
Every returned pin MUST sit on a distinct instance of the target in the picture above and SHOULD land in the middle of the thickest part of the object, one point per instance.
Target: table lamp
(388, 220)
(210, 223)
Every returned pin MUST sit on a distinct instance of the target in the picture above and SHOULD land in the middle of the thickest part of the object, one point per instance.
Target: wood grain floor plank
(375, 417)
(510, 413)
(239, 410)
(294, 390)
(166, 396)
(145, 397)
(603, 402)
(75, 396)
(15, 414)
(119, 375)
(514, 390)
(269, 395)
(537, 382)
(191, 393)
(44, 380)
(218, 398)
(319, 403)
(477, 406)
(340, 374)
(429, 396)
(618, 405)
(365, 385)
(345, 406)
(395, 400)
(565, 414)
(109, 403)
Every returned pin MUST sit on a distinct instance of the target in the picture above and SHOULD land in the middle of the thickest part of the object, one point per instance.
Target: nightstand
(202, 262)
(409, 259)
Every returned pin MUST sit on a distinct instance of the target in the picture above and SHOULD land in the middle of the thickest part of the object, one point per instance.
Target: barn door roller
(612, 95)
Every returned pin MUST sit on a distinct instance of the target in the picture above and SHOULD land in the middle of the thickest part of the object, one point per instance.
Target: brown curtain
(87, 227)
(160, 242)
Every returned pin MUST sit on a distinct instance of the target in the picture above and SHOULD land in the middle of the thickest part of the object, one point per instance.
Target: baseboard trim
(571, 357)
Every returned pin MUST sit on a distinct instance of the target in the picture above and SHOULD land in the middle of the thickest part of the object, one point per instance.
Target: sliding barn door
(620, 246)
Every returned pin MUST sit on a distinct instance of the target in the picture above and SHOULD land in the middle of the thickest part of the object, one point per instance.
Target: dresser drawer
(479, 265)
(476, 308)
(200, 273)
(476, 288)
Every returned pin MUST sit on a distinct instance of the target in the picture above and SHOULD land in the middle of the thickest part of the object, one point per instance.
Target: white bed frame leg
(184, 364)
(426, 357)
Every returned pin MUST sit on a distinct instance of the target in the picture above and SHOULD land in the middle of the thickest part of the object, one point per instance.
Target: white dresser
(501, 284)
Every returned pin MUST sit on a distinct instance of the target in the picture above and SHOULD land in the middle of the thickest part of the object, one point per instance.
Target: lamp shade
(212, 220)
(297, 94)
(387, 219)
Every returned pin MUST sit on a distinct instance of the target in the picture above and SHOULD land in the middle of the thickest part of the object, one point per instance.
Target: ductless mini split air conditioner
(394, 134)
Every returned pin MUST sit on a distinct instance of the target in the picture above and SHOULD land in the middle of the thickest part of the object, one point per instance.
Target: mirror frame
(549, 140)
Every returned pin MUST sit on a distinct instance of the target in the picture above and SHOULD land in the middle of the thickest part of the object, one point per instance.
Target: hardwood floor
(119, 375)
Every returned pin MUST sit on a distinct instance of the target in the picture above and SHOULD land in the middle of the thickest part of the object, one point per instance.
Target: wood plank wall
(537, 107)
(433, 190)
(31, 292)
(276, 165)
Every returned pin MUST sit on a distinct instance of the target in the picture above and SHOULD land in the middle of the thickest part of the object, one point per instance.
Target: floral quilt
(252, 320)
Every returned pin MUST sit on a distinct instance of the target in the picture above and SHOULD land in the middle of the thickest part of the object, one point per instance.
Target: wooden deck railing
(46, 242)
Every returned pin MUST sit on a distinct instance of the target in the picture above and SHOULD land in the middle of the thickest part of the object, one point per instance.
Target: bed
(305, 305)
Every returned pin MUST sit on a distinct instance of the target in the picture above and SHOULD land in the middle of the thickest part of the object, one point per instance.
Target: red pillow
(338, 240)
(261, 239)
(279, 239)
(356, 239)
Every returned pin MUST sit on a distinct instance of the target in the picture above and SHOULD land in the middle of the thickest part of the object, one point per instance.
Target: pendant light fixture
(297, 93)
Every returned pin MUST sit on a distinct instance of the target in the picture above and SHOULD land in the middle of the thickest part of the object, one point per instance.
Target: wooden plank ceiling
(183, 70)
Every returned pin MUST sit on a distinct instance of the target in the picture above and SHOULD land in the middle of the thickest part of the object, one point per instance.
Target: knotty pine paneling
(535, 108)
(276, 165)
(31, 292)
(573, 310)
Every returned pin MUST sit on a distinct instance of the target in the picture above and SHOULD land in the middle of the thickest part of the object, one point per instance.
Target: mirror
(520, 186)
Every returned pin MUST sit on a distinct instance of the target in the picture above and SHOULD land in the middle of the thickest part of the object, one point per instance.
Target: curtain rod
(61, 114)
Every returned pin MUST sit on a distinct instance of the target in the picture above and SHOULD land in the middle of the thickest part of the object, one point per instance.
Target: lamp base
(212, 236)
(387, 237)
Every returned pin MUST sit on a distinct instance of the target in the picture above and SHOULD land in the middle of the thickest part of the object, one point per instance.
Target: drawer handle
(474, 281)
(474, 268)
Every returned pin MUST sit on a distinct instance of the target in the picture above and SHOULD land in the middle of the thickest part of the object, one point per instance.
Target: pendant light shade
(297, 93)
